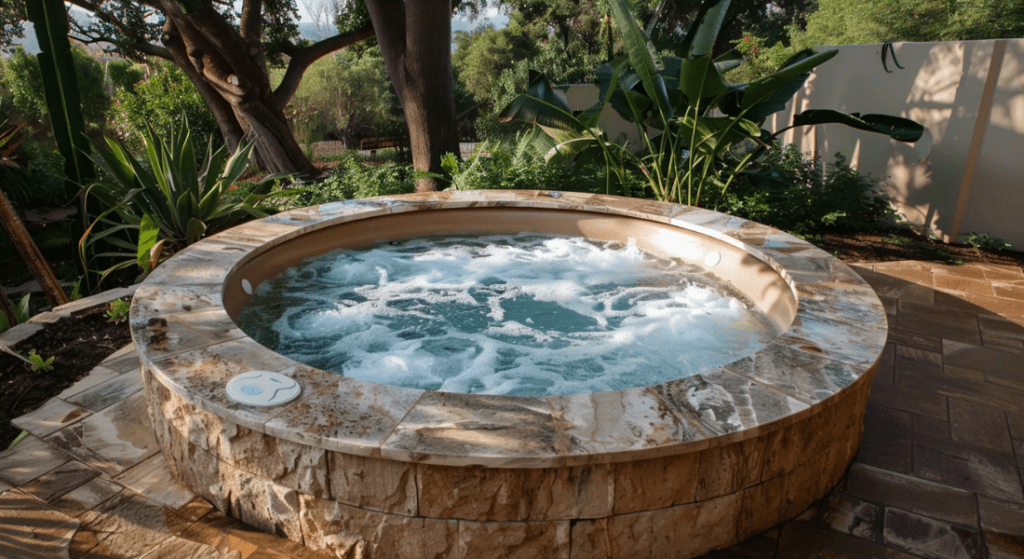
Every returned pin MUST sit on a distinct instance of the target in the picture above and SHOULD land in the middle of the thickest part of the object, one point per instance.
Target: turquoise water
(520, 315)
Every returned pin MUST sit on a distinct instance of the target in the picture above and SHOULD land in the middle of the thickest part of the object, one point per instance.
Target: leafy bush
(23, 80)
(344, 95)
(123, 75)
(802, 196)
(37, 179)
(160, 102)
(353, 178)
(519, 164)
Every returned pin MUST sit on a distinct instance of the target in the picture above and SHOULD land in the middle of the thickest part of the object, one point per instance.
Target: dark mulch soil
(77, 343)
(82, 342)
(888, 246)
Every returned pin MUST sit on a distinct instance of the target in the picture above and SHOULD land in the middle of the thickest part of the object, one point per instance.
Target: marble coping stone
(190, 345)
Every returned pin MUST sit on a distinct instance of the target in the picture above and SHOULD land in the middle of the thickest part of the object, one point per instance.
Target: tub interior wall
(756, 279)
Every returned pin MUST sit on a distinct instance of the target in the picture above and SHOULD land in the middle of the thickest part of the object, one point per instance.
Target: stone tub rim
(189, 343)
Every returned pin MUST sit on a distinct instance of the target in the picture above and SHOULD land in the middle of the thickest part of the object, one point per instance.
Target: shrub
(122, 75)
(23, 80)
(161, 101)
(352, 178)
(345, 95)
(805, 196)
(519, 164)
(39, 181)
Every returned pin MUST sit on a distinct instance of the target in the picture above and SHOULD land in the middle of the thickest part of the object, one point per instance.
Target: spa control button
(262, 388)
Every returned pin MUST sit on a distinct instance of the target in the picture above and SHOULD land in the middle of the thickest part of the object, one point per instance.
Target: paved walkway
(939, 473)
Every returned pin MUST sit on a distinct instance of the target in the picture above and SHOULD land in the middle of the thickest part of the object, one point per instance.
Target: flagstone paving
(938, 475)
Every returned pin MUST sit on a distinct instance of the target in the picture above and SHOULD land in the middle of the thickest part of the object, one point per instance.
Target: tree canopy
(224, 53)
(838, 22)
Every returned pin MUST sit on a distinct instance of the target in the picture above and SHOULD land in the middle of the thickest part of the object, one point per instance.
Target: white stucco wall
(964, 174)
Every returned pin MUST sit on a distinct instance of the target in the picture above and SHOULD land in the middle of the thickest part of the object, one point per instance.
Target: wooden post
(30, 253)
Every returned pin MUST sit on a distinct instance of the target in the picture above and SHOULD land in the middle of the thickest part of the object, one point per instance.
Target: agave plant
(696, 130)
(170, 200)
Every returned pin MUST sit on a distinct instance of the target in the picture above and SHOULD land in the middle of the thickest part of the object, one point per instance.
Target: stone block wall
(674, 507)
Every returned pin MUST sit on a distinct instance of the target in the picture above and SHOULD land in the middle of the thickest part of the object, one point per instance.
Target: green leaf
(18, 439)
(638, 48)
(194, 231)
(707, 33)
(728, 60)
(760, 91)
(21, 309)
(149, 234)
(235, 166)
(687, 45)
(897, 128)
(716, 130)
(60, 89)
(699, 80)
(542, 105)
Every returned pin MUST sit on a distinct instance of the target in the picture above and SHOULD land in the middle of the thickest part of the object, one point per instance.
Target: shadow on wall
(963, 174)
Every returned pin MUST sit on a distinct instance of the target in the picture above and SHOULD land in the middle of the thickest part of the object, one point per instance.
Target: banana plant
(696, 130)
(171, 201)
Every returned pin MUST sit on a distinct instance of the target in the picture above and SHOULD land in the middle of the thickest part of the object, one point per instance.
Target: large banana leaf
(710, 133)
(762, 91)
(897, 128)
(617, 85)
(542, 105)
(639, 49)
(688, 46)
(728, 61)
(707, 32)
(700, 81)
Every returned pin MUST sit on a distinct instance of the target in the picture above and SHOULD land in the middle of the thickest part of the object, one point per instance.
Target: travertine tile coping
(191, 345)
(675, 469)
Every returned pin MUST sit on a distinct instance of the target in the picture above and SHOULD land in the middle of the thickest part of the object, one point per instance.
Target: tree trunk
(30, 253)
(221, 109)
(231, 75)
(415, 39)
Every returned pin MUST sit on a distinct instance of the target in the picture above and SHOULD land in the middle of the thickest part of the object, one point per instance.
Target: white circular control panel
(263, 388)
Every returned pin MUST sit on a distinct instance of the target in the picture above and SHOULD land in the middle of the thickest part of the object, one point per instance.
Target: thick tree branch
(234, 55)
(134, 39)
(302, 57)
(251, 25)
(221, 109)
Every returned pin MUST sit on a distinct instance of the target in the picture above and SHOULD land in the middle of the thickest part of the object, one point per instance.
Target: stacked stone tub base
(677, 506)
(360, 469)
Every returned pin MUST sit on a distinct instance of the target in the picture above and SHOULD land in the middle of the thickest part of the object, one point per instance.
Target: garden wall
(965, 173)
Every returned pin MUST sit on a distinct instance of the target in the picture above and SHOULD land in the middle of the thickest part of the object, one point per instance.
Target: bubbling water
(523, 314)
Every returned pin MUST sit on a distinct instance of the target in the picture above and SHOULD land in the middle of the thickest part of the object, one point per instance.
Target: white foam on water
(501, 314)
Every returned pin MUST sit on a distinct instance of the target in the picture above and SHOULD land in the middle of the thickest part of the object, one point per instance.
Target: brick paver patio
(939, 472)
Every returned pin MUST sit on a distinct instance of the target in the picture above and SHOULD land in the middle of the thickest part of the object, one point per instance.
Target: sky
(309, 30)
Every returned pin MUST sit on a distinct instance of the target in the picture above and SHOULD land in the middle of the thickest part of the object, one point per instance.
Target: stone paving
(938, 475)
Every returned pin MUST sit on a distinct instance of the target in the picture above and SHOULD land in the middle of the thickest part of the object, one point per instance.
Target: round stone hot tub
(362, 469)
